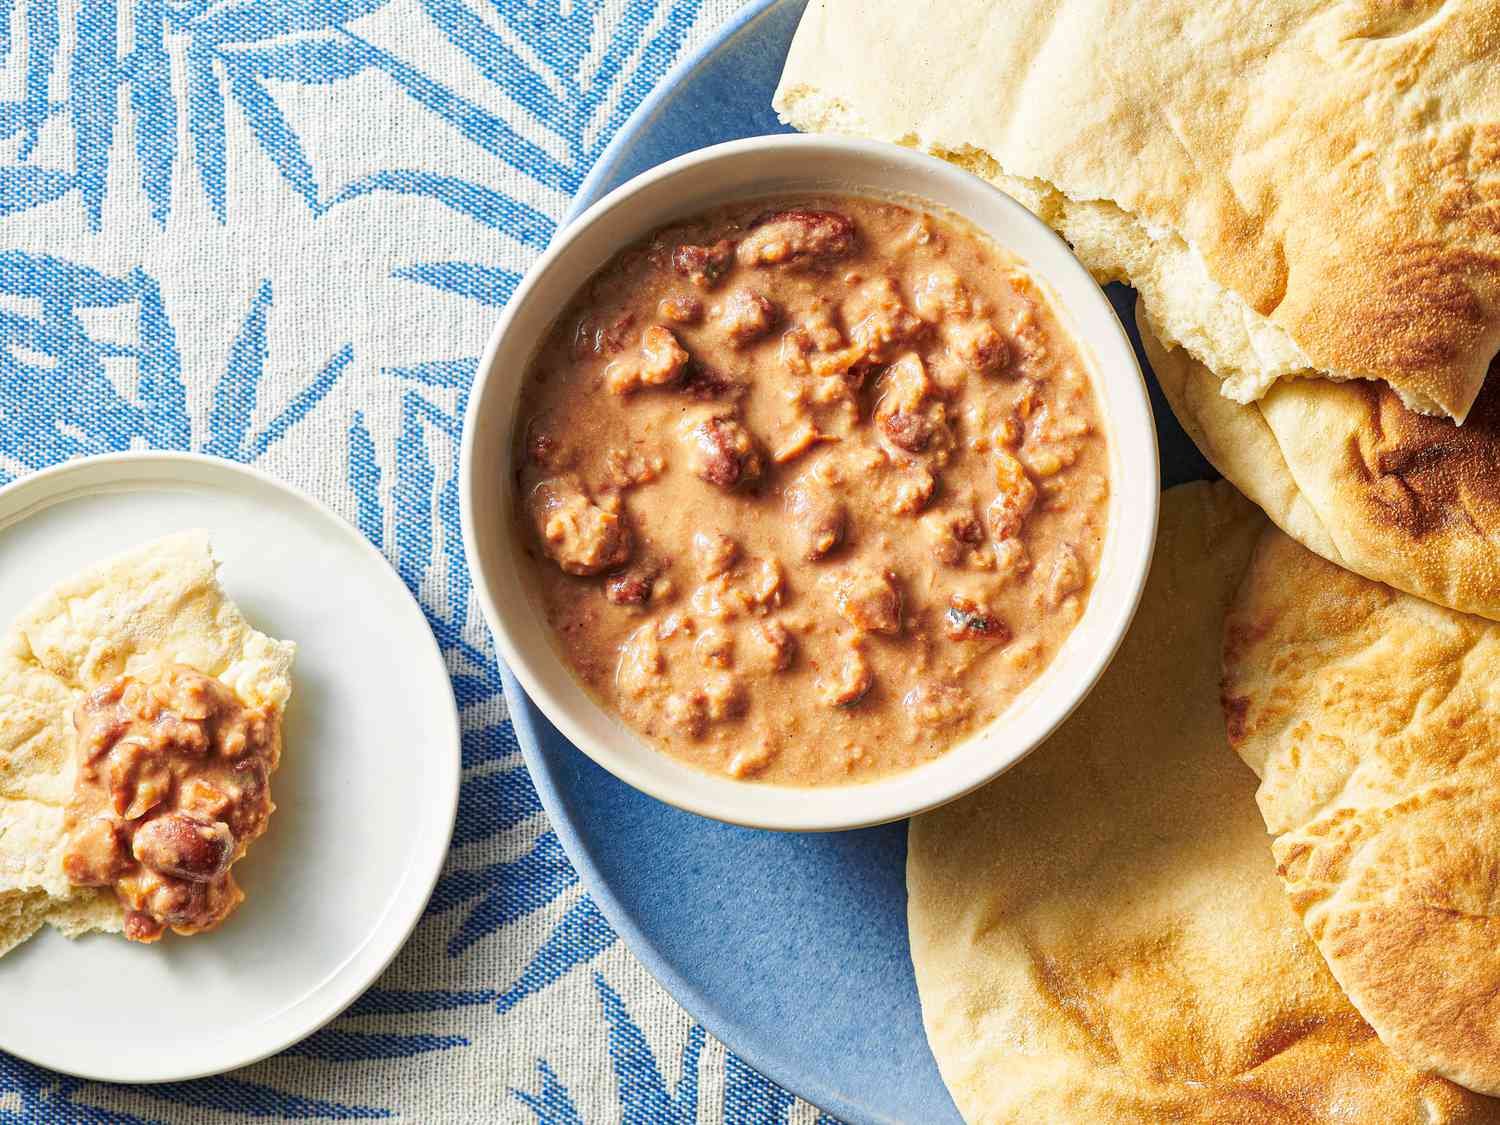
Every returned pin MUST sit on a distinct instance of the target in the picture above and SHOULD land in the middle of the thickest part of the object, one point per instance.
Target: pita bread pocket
(1099, 935)
(1294, 188)
(1372, 720)
(1352, 474)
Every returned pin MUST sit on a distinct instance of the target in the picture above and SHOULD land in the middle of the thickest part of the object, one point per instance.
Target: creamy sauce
(173, 785)
(811, 488)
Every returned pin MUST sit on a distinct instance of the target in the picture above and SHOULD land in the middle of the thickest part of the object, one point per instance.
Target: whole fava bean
(967, 620)
(715, 647)
(883, 326)
(715, 552)
(819, 517)
(662, 360)
(1016, 499)
(680, 309)
(724, 454)
(184, 847)
(796, 238)
(750, 761)
(139, 778)
(848, 681)
(941, 294)
(980, 347)
(913, 490)
(745, 317)
(869, 600)
(582, 537)
(724, 697)
(704, 266)
(641, 666)
(776, 644)
(1069, 574)
(1045, 462)
(937, 705)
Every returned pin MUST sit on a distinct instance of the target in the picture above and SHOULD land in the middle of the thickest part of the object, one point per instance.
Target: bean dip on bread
(173, 785)
(811, 488)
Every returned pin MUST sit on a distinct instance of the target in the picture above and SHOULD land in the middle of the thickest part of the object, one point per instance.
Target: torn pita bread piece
(1373, 721)
(1099, 935)
(1295, 188)
(1352, 474)
(151, 654)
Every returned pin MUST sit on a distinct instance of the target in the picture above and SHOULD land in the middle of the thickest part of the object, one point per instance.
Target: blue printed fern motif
(256, 1100)
(644, 1095)
(57, 400)
(579, 97)
(234, 53)
(30, 1095)
(497, 795)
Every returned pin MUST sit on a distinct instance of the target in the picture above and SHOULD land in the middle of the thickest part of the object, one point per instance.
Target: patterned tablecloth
(279, 231)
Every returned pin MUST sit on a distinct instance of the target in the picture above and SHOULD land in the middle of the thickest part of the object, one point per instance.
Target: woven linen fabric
(279, 231)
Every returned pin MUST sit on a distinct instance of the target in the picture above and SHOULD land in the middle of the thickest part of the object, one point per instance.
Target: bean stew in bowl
(811, 491)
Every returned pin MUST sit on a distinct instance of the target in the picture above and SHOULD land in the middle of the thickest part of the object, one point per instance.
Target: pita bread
(1294, 187)
(1350, 473)
(1099, 935)
(1373, 720)
(158, 603)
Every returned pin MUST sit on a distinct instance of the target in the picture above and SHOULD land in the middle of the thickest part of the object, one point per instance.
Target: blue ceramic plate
(791, 949)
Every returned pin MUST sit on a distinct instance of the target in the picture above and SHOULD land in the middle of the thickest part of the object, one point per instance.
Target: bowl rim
(819, 150)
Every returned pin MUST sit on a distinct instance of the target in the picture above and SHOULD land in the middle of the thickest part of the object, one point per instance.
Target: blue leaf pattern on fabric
(485, 284)
(41, 56)
(272, 131)
(642, 1089)
(155, 106)
(475, 201)
(160, 125)
(749, 1097)
(505, 891)
(206, 124)
(93, 96)
(581, 936)
(552, 1105)
(255, 1100)
(335, 1045)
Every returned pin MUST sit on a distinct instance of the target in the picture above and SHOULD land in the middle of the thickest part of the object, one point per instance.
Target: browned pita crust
(1373, 720)
(1349, 472)
(1099, 935)
(1295, 184)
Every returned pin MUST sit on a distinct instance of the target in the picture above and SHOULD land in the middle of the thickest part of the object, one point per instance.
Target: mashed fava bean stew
(811, 488)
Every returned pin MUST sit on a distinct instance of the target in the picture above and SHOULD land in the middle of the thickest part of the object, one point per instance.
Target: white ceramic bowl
(766, 166)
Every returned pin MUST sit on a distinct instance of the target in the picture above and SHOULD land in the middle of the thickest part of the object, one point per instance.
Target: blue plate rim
(524, 714)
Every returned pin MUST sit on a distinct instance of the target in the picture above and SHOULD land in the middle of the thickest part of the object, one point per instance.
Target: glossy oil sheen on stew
(811, 488)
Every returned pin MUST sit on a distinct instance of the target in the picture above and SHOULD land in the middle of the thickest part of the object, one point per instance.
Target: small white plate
(366, 793)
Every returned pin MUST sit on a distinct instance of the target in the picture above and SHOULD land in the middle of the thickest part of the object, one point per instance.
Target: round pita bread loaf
(1352, 474)
(1100, 934)
(1373, 720)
